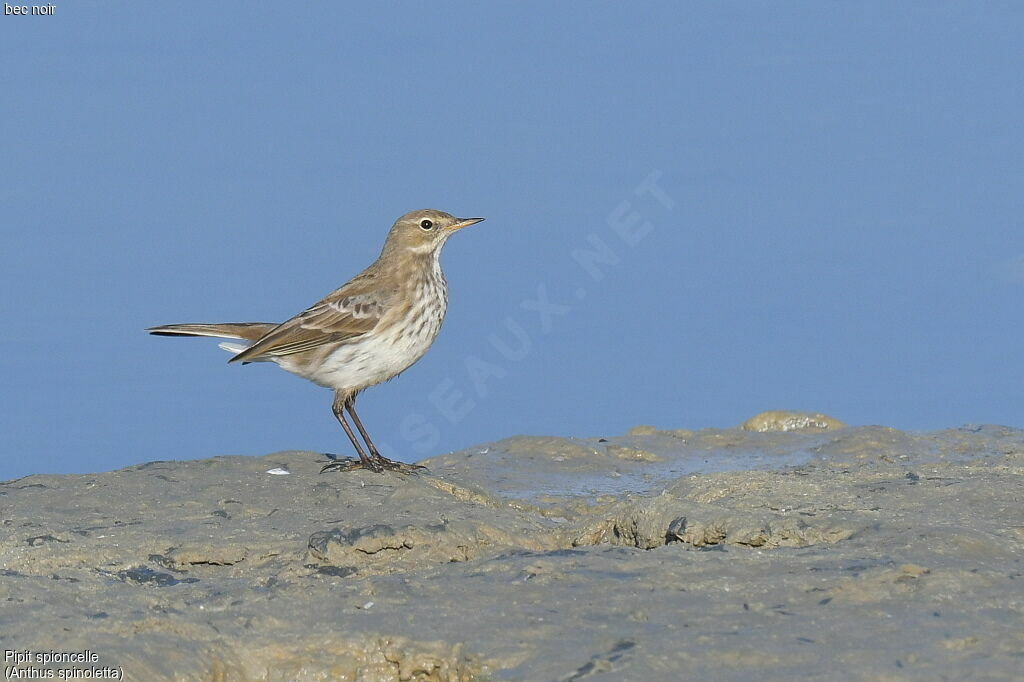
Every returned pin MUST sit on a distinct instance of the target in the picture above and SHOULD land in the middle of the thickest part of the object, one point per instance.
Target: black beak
(465, 222)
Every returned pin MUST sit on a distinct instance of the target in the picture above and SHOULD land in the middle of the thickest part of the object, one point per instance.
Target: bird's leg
(364, 462)
(374, 453)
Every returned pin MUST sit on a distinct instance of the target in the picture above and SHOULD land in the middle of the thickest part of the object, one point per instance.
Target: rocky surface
(809, 551)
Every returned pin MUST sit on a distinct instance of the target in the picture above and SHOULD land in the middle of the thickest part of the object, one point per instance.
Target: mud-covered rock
(784, 420)
(853, 553)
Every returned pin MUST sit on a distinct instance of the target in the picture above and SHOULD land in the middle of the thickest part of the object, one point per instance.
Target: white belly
(380, 355)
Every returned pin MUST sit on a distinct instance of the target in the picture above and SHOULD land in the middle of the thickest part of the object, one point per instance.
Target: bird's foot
(376, 463)
(400, 467)
(347, 464)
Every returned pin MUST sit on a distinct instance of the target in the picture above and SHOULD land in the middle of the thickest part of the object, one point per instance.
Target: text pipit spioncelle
(364, 333)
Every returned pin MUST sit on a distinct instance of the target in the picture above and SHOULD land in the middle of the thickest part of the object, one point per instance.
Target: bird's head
(424, 231)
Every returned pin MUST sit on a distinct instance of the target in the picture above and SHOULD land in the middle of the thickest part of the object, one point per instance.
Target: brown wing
(347, 313)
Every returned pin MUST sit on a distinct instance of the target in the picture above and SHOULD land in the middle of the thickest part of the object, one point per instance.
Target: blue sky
(837, 224)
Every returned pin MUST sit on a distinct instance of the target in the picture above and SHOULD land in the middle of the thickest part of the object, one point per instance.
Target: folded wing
(341, 316)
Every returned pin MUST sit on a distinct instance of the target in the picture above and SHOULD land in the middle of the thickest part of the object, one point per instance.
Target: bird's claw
(400, 467)
(340, 464)
(376, 464)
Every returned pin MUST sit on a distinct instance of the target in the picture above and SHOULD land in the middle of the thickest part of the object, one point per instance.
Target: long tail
(248, 331)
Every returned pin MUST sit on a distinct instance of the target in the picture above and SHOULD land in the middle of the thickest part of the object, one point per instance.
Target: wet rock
(211, 554)
(633, 454)
(384, 548)
(629, 557)
(647, 523)
(782, 420)
(141, 575)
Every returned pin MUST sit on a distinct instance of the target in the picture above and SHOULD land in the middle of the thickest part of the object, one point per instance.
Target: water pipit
(368, 331)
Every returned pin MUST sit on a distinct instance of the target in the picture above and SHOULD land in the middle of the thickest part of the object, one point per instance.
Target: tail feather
(249, 331)
(233, 348)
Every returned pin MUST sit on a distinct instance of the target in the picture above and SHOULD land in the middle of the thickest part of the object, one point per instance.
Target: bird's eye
(426, 224)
